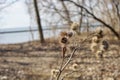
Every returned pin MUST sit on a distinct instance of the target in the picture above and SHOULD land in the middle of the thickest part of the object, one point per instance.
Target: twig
(102, 63)
(67, 74)
(8, 5)
(64, 66)
(60, 68)
(69, 59)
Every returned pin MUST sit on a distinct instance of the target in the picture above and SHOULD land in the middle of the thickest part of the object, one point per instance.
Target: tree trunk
(81, 18)
(38, 21)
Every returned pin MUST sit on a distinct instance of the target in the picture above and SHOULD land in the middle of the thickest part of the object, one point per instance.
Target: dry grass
(34, 61)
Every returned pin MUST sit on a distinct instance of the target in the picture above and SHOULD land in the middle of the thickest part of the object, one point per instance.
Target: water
(11, 38)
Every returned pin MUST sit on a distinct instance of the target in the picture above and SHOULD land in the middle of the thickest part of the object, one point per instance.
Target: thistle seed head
(64, 40)
(74, 26)
(70, 34)
(54, 72)
(74, 66)
(95, 39)
(104, 45)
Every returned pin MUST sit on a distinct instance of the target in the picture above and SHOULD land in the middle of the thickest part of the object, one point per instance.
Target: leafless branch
(64, 66)
(67, 74)
(96, 18)
(2, 8)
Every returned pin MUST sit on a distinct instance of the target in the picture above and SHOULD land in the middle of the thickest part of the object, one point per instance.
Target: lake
(11, 35)
(19, 35)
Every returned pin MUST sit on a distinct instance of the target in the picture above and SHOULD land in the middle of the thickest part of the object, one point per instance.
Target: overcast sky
(15, 15)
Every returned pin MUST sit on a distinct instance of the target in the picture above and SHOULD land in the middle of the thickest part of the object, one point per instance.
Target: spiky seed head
(74, 66)
(64, 40)
(99, 32)
(70, 34)
(94, 47)
(95, 39)
(74, 26)
(104, 45)
(99, 53)
(54, 72)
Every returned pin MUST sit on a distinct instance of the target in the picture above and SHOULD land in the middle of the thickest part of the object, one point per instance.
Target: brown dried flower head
(104, 46)
(64, 40)
(69, 34)
(74, 66)
(95, 39)
(74, 26)
(94, 47)
(54, 72)
(99, 33)
(99, 54)
(63, 33)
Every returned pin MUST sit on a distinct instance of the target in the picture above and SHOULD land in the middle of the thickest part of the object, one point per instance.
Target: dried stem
(67, 74)
(65, 65)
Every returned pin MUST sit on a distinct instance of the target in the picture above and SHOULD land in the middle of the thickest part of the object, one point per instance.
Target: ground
(34, 61)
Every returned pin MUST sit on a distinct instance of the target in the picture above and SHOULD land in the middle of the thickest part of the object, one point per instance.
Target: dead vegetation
(34, 61)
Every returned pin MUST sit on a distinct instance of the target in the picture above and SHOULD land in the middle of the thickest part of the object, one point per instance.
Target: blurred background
(26, 24)
(29, 20)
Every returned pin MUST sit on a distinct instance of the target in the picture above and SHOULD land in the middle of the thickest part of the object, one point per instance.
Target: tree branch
(65, 65)
(96, 18)
(8, 5)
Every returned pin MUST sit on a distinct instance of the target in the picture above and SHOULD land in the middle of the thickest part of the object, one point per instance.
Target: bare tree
(60, 12)
(117, 6)
(81, 18)
(38, 21)
(96, 18)
(7, 5)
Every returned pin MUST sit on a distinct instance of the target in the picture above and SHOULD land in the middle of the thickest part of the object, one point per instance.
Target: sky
(15, 16)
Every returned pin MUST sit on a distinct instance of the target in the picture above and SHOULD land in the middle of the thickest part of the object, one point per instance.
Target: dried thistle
(64, 40)
(74, 26)
(104, 45)
(94, 47)
(74, 67)
(99, 33)
(95, 39)
(54, 72)
(98, 46)
(70, 34)
(99, 53)
(63, 33)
